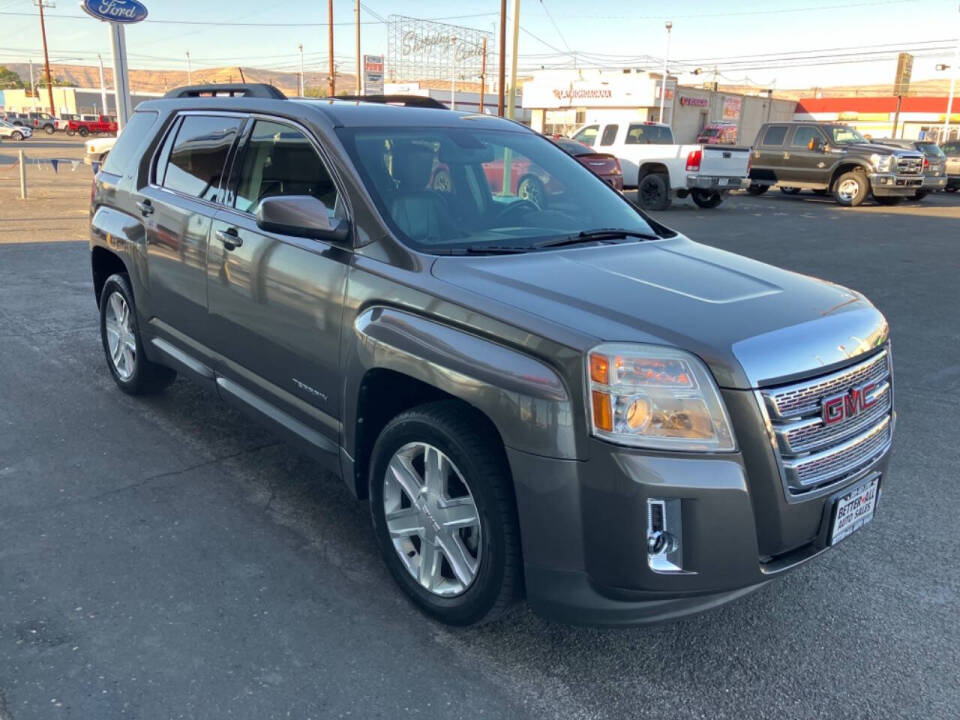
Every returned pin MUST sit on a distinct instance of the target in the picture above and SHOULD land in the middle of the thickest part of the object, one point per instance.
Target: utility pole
(103, 88)
(189, 70)
(512, 98)
(331, 79)
(483, 73)
(953, 83)
(716, 85)
(359, 76)
(453, 73)
(300, 48)
(46, 57)
(666, 72)
(503, 56)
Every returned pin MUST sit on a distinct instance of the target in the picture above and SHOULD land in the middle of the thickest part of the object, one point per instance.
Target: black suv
(832, 158)
(563, 399)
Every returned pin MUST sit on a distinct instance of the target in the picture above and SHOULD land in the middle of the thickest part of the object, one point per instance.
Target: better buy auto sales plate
(855, 509)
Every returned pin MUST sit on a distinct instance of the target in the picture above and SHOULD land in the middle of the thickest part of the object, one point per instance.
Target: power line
(220, 23)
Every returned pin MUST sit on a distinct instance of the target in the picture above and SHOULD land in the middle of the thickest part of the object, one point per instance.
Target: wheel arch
(104, 263)
(653, 167)
(846, 167)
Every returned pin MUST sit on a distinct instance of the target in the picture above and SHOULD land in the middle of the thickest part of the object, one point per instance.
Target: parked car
(832, 158)
(604, 165)
(96, 150)
(101, 124)
(951, 149)
(934, 163)
(43, 121)
(571, 401)
(14, 132)
(660, 169)
(718, 134)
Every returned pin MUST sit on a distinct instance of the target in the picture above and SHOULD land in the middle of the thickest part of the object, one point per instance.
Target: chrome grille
(909, 165)
(815, 455)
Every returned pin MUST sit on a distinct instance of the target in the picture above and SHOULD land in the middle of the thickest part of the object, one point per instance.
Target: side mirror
(302, 216)
(815, 144)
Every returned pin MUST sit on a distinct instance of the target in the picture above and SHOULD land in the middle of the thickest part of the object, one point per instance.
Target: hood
(752, 323)
(877, 148)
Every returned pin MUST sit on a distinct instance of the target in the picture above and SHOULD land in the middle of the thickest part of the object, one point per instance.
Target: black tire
(706, 199)
(17, 135)
(851, 188)
(951, 188)
(467, 439)
(83, 132)
(889, 200)
(790, 190)
(532, 190)
(920, 194)
(147, 377)
(49, 129)
(653, 191)
(756, 189)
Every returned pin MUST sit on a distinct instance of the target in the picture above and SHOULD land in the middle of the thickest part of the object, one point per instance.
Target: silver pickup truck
(565, 401)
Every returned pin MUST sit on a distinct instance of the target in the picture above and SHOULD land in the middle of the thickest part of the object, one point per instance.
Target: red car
(604, 165)
(103, 124)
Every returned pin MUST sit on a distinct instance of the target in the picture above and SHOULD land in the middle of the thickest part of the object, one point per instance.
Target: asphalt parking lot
(163, 558)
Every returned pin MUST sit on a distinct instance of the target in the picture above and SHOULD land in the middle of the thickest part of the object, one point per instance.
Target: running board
(180, 357)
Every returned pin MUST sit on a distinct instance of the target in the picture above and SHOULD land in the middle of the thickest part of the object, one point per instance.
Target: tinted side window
(775, 135)
(199, 152)
(280, 160)
(609, 134)
(588, 135)
(803, 135)
(648, 135)
(130, 140)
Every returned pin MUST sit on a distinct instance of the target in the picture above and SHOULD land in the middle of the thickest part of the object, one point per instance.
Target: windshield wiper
(482, 250)
(588, 236)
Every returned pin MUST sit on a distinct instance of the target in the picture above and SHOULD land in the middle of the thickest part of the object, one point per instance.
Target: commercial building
(920, 117)
(467, 96)
(67, 100)
(562, 100)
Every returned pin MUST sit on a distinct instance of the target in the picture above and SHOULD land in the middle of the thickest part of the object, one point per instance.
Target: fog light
(664, 535)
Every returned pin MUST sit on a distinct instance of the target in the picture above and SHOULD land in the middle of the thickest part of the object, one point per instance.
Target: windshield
(461, 189)
(843, 135)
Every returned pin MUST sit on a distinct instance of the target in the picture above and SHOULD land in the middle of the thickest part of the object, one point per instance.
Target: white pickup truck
(660, 169)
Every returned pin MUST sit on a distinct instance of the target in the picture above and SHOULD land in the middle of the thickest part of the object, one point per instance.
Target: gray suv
(561, 400)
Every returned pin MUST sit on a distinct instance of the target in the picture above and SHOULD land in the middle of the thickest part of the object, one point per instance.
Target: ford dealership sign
(116, 11)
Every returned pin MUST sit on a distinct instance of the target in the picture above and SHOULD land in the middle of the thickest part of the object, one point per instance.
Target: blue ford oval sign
(117, 11)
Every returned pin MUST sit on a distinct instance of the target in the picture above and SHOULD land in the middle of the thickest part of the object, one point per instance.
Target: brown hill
(931, 87)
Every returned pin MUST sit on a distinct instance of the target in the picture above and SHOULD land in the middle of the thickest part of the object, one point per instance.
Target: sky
(754, 42)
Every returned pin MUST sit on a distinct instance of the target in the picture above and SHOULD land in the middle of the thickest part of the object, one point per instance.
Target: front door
(806, 166)
(275, 301)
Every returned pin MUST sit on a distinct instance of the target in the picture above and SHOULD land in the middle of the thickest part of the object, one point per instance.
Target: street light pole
(512, 97)
(483, 74)
(300, 48)
(953, 83)
(103, 88)
(501, 77)
(453, 73)
(331, 79)
(666, 70)
(359, 77)
(189, 70)
(46, 57)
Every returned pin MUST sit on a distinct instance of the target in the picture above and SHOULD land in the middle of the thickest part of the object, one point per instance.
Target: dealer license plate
(855, 509)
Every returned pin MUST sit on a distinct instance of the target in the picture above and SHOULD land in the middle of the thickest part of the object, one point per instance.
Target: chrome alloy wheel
(432, 519)
(121, 339)
(848, 189)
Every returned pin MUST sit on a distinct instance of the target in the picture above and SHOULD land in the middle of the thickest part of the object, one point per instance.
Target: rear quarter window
(130, 140)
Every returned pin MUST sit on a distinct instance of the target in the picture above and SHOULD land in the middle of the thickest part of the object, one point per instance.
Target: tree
(315, 92)
(9, 79)
(56, 82)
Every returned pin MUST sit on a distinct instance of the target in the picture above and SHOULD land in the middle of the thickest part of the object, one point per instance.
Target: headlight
(655, 397)
(882, 163)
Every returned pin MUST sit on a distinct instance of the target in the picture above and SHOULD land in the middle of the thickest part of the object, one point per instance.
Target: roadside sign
(373, 74)
(116, 11)
(901, 83)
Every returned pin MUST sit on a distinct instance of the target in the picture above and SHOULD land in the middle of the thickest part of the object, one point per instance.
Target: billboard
(426, 50)
(731, 108)
(901, 83)
(373, 74)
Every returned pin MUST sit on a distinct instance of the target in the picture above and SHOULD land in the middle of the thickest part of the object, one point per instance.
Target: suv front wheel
(120, 333)
(444, 514)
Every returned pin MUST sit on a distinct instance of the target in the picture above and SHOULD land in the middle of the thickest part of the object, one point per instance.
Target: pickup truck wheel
(851, 189)
(119, 331)
(49, 129)
(706, 199)
(653, 191)
(83, 132)
(756, 189)
(790, 190)
(444, 515)
(888, 200)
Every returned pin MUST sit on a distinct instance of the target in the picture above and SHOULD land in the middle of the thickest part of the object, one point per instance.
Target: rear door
(177, 209)
(275, 301)
(801, 164)
(768, 158)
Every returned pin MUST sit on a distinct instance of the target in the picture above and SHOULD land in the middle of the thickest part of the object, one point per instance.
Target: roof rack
(250, 90)
(420, 101)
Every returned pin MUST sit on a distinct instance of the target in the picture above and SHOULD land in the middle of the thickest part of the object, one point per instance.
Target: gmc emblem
(849, 404)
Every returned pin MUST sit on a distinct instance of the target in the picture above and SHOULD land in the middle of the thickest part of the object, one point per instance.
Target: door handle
(230, 239)
(145, 207)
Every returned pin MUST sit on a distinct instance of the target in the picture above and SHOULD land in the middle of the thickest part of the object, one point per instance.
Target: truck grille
(908, 165)
(814, 454)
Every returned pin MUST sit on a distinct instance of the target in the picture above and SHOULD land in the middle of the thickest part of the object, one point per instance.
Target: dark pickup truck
(832, 158)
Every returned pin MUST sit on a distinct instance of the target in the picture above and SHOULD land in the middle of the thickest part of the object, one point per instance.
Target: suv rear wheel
(119, 331)
(851, 188)
(444, 515)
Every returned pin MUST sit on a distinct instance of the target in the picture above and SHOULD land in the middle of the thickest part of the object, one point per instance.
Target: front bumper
(889, 185)
(708, 182)
(584, 529)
